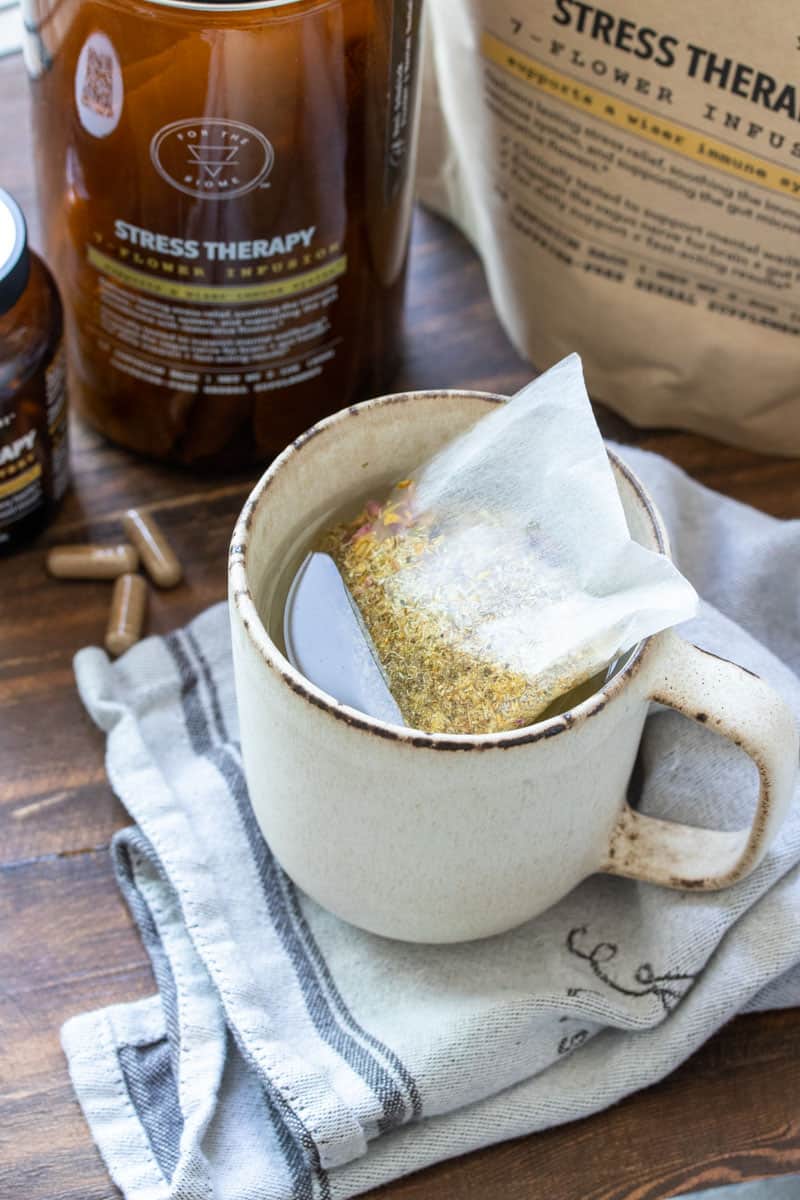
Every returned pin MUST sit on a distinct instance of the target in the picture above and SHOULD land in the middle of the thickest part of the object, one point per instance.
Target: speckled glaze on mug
(444, 838)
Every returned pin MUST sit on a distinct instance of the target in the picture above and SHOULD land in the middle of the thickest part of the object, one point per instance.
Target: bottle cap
(14, 256)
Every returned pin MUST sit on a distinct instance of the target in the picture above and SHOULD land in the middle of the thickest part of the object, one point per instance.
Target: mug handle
(740, 706)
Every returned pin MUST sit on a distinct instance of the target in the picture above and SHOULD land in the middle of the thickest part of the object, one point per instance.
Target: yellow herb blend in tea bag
(425, 591)
(502, 574)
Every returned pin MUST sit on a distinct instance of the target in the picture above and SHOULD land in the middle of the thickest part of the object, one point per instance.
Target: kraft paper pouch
(630, 174)
(501, 575)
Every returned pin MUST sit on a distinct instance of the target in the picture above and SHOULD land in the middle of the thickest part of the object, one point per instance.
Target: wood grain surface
(67, 943)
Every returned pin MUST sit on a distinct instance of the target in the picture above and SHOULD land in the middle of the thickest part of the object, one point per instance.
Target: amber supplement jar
(34, 455)
(227, 198)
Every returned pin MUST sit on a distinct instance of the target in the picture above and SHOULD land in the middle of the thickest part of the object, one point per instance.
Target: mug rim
(241, 599)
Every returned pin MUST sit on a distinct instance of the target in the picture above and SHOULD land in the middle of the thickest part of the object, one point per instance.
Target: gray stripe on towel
(126, 846)
(295, 1140)
(149, 1078)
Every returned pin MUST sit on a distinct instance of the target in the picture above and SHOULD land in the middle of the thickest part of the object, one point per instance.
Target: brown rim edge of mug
(241, 597)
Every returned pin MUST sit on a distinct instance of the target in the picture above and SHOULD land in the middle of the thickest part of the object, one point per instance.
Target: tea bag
(502, 575)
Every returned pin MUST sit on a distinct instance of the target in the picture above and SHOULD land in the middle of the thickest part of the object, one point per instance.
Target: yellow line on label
(21, 481)
(665, 133)
(195, 293)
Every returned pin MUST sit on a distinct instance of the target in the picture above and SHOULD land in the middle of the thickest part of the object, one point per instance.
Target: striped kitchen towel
(287, 1054)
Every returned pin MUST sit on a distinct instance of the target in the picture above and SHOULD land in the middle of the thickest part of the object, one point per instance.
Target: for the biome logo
(212, 158)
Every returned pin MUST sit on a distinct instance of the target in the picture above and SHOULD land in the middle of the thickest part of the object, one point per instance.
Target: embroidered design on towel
(667, 987)
(572, 1041)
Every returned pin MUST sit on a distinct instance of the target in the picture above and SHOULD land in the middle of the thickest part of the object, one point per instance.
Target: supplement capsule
(126, 617)
(91, 562)
(158, 557)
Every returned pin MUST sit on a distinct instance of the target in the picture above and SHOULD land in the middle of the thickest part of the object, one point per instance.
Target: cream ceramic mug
(442, 838)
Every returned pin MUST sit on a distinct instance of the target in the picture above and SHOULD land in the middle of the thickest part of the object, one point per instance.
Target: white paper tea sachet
(498, 578)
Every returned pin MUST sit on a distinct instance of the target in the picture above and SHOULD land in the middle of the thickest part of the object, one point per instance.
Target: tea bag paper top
(502, 574)
(537, 468)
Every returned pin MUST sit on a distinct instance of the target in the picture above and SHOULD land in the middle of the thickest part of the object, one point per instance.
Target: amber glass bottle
(34, 462)
(227, 194)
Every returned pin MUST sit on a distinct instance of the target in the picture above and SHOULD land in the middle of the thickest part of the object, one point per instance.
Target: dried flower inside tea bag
(428, 593)
(502, 574)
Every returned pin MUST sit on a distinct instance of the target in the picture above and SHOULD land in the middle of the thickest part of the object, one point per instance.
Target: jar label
(215, 318)
(34, 454)
(21, 490)
(403, 71)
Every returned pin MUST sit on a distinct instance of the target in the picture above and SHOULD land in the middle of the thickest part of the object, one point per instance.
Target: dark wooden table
(66, 941)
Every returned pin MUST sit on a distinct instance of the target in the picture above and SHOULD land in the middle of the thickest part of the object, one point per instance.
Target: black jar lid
(15, 262)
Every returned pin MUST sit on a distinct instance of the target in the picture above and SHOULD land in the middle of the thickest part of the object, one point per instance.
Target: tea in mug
(325, 637)
(498, 582)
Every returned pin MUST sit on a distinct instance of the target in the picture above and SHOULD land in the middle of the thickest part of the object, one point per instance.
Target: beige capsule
(91, 561)
(158, 557)
(127, 613)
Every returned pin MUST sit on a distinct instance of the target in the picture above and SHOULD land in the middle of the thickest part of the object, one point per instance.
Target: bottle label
(34, 452)
(215, 318)
(403, 69)
(21, 491)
